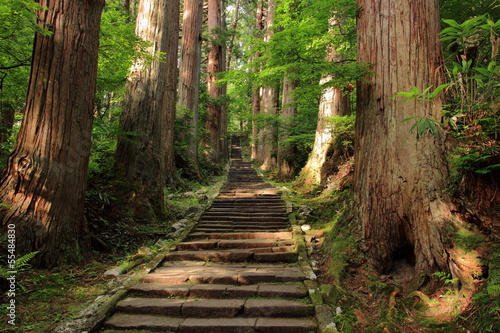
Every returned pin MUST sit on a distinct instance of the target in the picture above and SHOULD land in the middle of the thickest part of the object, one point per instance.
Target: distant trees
(43, 185)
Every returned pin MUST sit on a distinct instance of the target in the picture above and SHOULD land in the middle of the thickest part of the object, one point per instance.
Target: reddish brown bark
(45, 180)
(140, 158)
(189, 80)
(216, 120)
(399, 180)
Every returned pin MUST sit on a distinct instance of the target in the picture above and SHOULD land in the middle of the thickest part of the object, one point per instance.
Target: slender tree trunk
(259, 26)
(215, 123)
(269, 104)
(234, 25)
(399, 180)
(173, 12)
(288, 111)
(45, 179)
(140, 158)
(189, 80)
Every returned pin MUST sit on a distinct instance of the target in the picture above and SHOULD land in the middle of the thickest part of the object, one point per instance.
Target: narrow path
(236, 272)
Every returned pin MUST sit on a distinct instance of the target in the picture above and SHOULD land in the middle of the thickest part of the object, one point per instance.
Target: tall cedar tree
(189, 80)
(399, 180)
(269, 105)
(140, 156)
(173, 13)
(256, 100)
(216, 123)
(334, 102)
(45, 179)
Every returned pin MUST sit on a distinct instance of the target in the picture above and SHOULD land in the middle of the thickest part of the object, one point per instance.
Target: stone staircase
(236, 272)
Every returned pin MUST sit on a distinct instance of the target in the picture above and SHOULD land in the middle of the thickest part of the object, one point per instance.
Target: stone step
(243, 235)
(156, 323)
(249, 225)
(264, 290)
(215, 308)
(235, 255)
(224, 273)
(208, 244)
(247, 210)
(264, 217)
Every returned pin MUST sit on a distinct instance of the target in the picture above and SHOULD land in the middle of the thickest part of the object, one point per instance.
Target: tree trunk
(189, 81)
(288, 111)
(399, 180)
(234, 25)
(334, 103)
(269, 104)
(7, 113)
(45, 179)
(173, 12)
(216, 119)
(259, 25)
(140, 158)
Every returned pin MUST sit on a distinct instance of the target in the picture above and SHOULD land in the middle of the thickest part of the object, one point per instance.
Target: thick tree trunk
(259, 26)
(189, 80)
(140, 158)
(173, 12)
(288, 111)
(45, 180)
(399, 180)
(269, 104)
(334, 103)
(216, 120)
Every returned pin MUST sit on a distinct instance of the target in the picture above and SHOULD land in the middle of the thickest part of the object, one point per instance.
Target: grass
(51, 296)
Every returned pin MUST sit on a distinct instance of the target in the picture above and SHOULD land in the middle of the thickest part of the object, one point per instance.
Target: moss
(468, 240)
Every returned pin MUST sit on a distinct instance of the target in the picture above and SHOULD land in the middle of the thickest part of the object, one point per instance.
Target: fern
(22, 263)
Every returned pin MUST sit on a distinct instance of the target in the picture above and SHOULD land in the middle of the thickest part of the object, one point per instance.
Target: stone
(116, 271)
(277, 308)
(217, 325)
(158, 306)
(305, 227)
(285, 325)
(211, 308)
(143, 322)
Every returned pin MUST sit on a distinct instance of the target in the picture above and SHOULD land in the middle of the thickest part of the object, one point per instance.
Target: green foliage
(473, 113)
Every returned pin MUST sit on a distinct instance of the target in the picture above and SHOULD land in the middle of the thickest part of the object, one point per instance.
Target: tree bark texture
(334, 102)
(288, 111)
(259, 27)
(269, 104)
(140, 158)
(399, 180)
(45, 179)
(173, 13)
(216, 120)
(189, 80)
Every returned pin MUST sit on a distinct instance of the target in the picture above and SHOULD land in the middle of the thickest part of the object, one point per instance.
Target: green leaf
(453, 23)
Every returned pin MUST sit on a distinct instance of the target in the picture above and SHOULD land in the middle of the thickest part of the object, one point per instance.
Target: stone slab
(212, 308)
(150, 323)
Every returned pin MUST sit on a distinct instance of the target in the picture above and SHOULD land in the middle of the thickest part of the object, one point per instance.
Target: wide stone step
(263, 217)
(215, 308)
(243, 235)
(208, 244)
(156, 323)
(263, 290)
(236, 255)
(224, 273)
(248, 225)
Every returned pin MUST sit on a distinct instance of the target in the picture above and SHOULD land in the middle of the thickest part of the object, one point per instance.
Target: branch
(22, 63)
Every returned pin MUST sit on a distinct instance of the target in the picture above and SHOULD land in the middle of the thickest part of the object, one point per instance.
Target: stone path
(236, 272)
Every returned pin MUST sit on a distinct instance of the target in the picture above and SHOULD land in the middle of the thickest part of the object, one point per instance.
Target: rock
(116, 271)
(201, 191)
(189, 195)
(301, 222)
(170, 197)
(305, 227)
(338, 311)
(191, 211)
(179, 225)
(202, 198)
